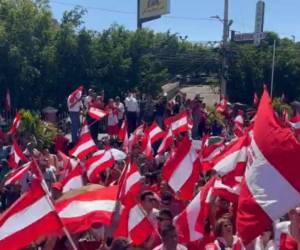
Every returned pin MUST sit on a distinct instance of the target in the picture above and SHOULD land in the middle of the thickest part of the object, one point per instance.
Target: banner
(153, 8)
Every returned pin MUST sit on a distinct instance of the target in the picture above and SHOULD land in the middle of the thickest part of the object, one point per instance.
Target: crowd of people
(157, 199)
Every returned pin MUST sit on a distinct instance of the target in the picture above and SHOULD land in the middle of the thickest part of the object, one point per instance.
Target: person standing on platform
(132, 109)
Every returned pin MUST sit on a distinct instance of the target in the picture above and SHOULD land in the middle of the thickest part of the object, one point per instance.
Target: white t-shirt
(178, 247)
(259, 244)
(121, 110)
(76, 107)
(131, 104)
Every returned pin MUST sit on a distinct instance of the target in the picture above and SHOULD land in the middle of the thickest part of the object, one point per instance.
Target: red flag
(17, 174)
(97, 163)
(75, 97)
(146, 147)
(183, 170)
(178, 123)
(239, 125)
(73, 180)
(123, 132)
(232, 158)
(190, 222)
(96, 113)
(7, 104)
(16, 155)
(15, 125)
(166, 142)
(129, 184)
(81, 211)
(28, 219)
(84, 146)
(271, 184)
(134, 224)
(154, 132)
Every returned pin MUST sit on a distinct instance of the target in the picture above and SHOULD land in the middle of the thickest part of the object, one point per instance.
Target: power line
(133, 13)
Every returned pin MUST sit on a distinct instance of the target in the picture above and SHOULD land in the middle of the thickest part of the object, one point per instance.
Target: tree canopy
(43, 60)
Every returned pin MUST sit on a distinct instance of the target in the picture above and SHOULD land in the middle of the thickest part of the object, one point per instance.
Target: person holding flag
(74, 107)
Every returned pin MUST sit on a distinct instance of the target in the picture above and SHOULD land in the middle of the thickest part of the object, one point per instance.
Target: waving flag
(84, 146)
(81, 211)
(166, 142)
(73, 180)
(28, 219)
(97, 163)
(178, 123)
(295, 123)
(183, 170)
(271, 184)
(96, 113)
(134, 224)
(154, 132)
(17, 174)
(15, 125)
(16, 155)
(75, 97)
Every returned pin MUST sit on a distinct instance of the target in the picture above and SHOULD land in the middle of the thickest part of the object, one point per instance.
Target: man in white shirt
(170, 240)
(132, 109)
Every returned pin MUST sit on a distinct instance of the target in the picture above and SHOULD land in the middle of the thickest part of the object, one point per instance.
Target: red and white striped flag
(146, 147)
(190, 222)
(75, 97)
(68, 164)
(295, 123)
(81, 211)
(271, 184)
(166, 142)
(97, 163)
(123, 132)
(134, 224)
(233, 158)
(226, 191)
(84, 146)
(16, 155)
(178, 123)
(239, 125)
(28, 219)
(73, 180)
(183, 170)
(7, 104)
(129, 184)
(154, 132)
(96, 113)
(15, 125)
(17, 174)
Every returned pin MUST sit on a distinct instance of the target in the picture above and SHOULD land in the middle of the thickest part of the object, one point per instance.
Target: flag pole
(273, 68)
(50, 203)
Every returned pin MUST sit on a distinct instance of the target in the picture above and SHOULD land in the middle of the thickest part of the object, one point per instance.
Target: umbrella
(77, 191)
(116, 153)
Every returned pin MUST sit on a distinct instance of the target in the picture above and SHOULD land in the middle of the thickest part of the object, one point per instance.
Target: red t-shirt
(287, 242)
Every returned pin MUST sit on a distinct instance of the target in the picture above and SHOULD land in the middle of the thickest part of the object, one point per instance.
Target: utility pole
(224, 47)
(273, 68)
(139, 23)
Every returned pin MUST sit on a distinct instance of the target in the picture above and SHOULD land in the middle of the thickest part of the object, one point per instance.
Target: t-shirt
(131, 104)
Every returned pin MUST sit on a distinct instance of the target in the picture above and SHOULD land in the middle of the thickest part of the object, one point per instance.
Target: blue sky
(188, 17)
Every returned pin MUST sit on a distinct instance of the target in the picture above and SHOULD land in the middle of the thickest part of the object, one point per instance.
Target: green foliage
(43, 60)
(214, 116)
(32, 128)
(279, 107)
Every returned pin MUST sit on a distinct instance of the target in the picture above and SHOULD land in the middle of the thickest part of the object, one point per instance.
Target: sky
(189, 17)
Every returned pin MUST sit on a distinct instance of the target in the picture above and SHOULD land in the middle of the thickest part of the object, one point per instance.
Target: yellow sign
(153, 8)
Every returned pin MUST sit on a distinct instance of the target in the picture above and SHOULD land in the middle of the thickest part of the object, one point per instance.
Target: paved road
(210, 96)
